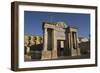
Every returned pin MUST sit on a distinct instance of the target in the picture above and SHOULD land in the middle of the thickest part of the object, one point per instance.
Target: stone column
(54, 45)
(45, 39)
(69, 37)
(77, 44)
(75, 40)
(71, 43)
(45, 53)
(75, 50)
(74, 47)
(68, 43)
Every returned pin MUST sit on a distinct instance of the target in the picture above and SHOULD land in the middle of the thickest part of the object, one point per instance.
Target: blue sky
(33, 21)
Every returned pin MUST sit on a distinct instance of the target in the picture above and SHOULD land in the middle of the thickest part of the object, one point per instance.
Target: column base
(78, 50)
(54, 54)
(75, 52)
(46, 55)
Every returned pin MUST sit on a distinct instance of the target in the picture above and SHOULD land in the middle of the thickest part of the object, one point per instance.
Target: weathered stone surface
(54, 54)
(46, 55)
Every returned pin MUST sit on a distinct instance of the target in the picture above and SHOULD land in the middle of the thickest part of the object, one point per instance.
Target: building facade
(59, 41)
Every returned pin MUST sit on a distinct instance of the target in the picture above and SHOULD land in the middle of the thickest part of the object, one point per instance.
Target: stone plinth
(46, 55)
(54, 54)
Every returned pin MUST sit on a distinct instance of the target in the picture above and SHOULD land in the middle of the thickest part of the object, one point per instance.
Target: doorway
(60, 48)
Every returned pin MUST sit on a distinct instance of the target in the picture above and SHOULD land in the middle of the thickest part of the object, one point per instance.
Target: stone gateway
(59, 41)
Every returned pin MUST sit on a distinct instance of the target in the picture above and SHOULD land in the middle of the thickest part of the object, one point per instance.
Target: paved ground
(28, 58)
